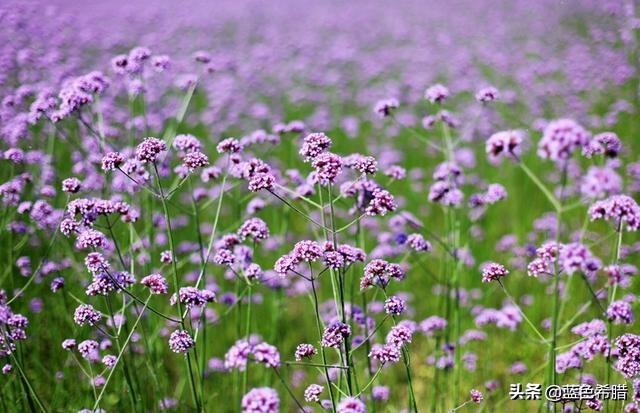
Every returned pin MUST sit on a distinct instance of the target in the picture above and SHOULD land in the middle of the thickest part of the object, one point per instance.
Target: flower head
(86, 314)
(149, 149)
(305, 350)
(561, 138)
(504, 145)
(621, 209)
(156, 283)
(313, 145)
(436, 93)
(493, 271)
(312, 393)
(261, 400)
(180, 341)
(385, 107)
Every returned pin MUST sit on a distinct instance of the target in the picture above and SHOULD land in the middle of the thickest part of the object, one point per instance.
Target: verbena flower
(149, 149)
(312, 393)
(180, 341)
(493, 271)
(261, 400)
(351, 405)
(506, 144)
(561, 138)
(156, 283)
(86, 314)
(621, 209)
(335, 334)
(313, 145)
(385, 107)
(305, 350)
(436, 93)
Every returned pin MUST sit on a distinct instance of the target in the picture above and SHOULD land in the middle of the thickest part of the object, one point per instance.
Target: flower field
(308, 206)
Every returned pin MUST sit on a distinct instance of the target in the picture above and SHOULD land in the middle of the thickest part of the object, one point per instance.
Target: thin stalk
(322, 350)
(293, 396)
(120, 354)
(245, 375)
(552, 199)
(302, 214)
(556, 279)
(533, 327)
(612, 297)
(176, 283)
(29, 390)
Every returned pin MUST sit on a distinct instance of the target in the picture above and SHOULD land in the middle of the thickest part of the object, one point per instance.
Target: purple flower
(88, 349)
(305, 350)
(380, 273)
(306, 251)
(91, 238)
(267, 354)
(261, 181)
(590, 328)
(385, 107)
(381, 203)
(229, 145)
(432, 324)
(156, 283)
(445, 193)
(255, 229)
(599, 182)
(109, 360)
(399, 335)
(86, 314)
(149, 149)
(69, 344)
(180, 341)
(261, 400)
(487, 94)
(195, 160)
(493, 271)
(351, 405)
(328, 166)
(561, 138)
(380, 393)
(621, 209)
(69, 226)
(313, 145)
(436, 93)
(224, 257)
(365, 164)
(187, 143)
(166, 257)
(504, 144)
(333, 259)
(606, 143)
(238, 355)
(394, 305)
(620, 312)
(628, 349)
(57, 284)
(192, 297)
(387, 353)
(476, 396)
(335, 334)
(312, 393)
(71, 185)
(417, 243)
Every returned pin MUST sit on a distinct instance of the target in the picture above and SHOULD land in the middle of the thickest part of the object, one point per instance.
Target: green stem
(176, 284)
(120, 353)
(552, 199)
